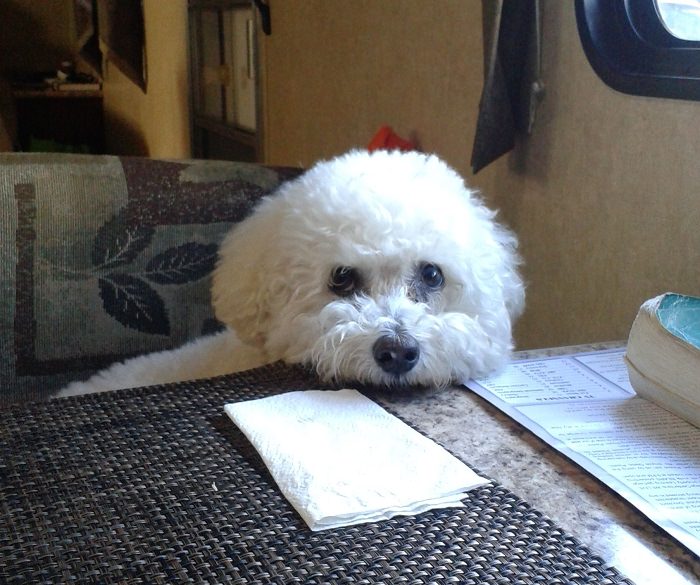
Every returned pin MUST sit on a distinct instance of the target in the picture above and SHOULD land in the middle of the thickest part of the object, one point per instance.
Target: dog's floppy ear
(240, 284)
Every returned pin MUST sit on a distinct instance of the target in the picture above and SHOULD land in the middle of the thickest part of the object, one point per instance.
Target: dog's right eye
(344, 281)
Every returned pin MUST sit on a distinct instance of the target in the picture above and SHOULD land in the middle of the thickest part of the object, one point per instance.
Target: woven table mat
(156, 485)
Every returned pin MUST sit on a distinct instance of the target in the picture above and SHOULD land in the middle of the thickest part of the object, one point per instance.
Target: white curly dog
(381, 268)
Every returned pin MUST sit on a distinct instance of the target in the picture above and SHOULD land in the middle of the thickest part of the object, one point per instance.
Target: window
(643, 47)
(681, 18)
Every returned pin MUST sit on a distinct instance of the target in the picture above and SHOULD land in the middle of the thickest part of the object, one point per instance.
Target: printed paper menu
(584, 406)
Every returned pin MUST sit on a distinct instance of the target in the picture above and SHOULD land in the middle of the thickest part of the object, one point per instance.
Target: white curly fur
(383, 214)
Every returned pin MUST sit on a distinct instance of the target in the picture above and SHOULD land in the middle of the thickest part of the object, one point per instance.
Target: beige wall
(335, 71)
(155, 124)
(605, 195)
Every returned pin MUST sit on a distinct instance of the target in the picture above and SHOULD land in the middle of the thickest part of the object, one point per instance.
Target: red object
(387, 139)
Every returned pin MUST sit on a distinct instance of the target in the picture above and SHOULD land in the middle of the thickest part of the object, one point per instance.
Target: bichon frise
(381, 268)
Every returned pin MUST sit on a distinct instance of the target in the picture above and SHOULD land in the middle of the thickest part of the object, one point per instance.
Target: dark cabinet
(58, 120)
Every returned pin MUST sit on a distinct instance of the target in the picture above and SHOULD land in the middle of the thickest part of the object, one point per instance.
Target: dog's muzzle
(396, 354)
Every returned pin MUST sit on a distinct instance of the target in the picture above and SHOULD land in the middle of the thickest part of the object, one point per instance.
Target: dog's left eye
(431, 276)
(344, 281)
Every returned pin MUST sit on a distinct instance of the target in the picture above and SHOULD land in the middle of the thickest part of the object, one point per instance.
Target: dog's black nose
(396, 354)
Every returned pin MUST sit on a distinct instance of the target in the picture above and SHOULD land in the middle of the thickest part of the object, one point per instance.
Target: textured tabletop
(571, 497)
(157, 486)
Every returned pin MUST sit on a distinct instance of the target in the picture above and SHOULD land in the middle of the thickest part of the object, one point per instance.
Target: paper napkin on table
(341, 459)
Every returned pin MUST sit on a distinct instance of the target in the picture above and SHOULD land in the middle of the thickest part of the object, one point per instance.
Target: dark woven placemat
(158, 486)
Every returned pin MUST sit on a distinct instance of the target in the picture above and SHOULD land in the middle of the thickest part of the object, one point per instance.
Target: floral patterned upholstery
(107, 257)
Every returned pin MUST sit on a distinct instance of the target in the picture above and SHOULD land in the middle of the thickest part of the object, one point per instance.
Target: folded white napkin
(341, 459)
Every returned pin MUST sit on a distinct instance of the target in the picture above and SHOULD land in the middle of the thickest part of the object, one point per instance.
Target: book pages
(584, 406)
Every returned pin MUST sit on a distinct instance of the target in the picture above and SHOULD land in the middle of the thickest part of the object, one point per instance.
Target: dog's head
(382, 268)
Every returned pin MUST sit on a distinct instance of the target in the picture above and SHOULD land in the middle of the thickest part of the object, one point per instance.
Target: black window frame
(631, 50)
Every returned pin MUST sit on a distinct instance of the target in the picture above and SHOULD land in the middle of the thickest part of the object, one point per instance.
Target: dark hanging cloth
(511, 77)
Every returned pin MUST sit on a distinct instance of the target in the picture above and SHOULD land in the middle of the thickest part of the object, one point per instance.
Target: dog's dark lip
(397, 393)
(391, 386)
(396, 386)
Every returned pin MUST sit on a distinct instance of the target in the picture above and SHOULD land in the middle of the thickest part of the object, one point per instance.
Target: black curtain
(512, 85)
